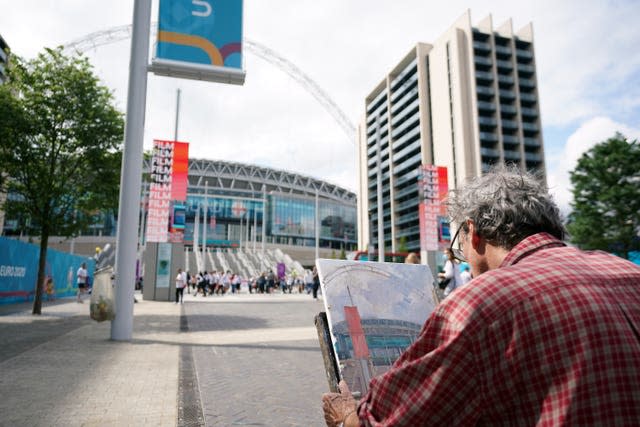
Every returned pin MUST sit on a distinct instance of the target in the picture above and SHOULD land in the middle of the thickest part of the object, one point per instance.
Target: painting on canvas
(374, 312)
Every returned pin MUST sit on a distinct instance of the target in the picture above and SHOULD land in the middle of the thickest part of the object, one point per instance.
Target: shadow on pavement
(30, 332)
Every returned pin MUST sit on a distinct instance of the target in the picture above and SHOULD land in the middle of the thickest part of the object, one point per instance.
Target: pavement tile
(256, 361)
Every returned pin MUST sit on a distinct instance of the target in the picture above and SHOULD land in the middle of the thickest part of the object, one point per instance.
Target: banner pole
(175, 132)
(131, 173)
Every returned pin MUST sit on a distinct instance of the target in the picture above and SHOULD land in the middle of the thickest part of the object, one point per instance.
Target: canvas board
(374, 312)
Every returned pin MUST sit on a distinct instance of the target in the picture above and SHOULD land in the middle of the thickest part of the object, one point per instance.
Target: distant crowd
(208, 283)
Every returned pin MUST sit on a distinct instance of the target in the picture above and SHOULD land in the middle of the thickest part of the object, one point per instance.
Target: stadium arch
(123, 32)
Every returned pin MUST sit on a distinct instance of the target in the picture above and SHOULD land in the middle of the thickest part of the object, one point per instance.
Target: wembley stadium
(243, 207)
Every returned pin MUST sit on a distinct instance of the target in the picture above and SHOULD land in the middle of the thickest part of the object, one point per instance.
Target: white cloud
(584, 64)
(590, 133)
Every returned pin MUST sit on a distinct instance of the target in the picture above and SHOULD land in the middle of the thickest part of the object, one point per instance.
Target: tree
(402, 244)
(62, 140)
(343, 253)
(606, 197)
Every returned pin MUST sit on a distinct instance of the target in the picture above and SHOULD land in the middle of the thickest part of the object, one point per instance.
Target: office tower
(467, 101)
(4, 59)
(4, 62)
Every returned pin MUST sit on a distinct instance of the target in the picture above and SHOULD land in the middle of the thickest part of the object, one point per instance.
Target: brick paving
(272, 375)
(255, 360)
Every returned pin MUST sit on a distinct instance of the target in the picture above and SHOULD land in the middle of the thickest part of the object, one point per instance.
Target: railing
(488, 136)
(222, 260)
(525, 68)
(484, 75)
(483, 60)
(524, 54)
(484, 46)
(487, 121)
(531, 142)
(510, 139)
(511, 155)
(527, 97)
(490, 152)
(484, 90)
(503, 50)
(488, 106)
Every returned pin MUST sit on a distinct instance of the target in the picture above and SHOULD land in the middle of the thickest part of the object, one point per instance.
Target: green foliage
(343, 253)
(61, 146)
(61, 142)
(402, 244)
(606, 194)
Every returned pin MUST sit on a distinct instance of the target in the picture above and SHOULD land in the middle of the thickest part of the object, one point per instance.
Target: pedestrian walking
(82, 280)
(308, 281)
(181, 283)
(316, 282)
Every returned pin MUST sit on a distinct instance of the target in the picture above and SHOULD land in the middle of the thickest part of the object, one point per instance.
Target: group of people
(269, 282)
(220, 282)
(543, 334)
(453, 275)
(206, 283)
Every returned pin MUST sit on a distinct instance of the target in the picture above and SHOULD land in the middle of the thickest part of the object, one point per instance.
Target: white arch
(114, 34)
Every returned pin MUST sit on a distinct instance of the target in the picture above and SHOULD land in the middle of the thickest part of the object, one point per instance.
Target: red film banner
(443, 189)
(180, 171)
(358, 339)
(433, 191)
(169, 168)
(159, 192)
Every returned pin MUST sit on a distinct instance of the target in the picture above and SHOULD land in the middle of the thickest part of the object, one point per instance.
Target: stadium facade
(245, 205)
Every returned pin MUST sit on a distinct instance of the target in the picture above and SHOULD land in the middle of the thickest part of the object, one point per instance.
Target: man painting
(544, 334)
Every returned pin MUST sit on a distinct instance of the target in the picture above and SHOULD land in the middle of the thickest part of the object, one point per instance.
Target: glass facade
(224, 216)
(294, 218)
(289, 220)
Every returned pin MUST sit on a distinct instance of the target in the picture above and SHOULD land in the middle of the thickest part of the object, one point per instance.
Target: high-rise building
(4, 62)
(4, 59)
(467, 101)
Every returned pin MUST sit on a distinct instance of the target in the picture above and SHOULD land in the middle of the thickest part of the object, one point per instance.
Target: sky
(587, 57)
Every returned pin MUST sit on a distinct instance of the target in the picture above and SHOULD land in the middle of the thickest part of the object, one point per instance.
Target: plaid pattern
(552, 337)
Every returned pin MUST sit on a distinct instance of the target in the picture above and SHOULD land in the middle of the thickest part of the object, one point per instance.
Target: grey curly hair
(506, 205)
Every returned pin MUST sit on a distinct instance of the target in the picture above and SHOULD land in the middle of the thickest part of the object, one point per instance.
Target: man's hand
(338, 407)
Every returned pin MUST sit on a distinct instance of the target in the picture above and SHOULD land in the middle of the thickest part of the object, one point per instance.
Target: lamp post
(131, 176)
(204, 226)
(264, 218)
(317, 226)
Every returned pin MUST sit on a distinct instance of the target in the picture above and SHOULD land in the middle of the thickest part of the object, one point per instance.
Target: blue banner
(205, 32)
(19, 272)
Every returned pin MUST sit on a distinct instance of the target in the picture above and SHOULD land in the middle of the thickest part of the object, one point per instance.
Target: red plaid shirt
(551, 337)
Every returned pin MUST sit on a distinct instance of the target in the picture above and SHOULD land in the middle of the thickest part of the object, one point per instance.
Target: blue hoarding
(19, 272)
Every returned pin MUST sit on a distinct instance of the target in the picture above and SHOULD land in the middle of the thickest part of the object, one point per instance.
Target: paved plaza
(233, 360)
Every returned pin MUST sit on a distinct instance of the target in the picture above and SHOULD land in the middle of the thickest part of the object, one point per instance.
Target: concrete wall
(150, 289)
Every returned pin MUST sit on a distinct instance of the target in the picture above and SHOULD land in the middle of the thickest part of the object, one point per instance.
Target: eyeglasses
(457, 252)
